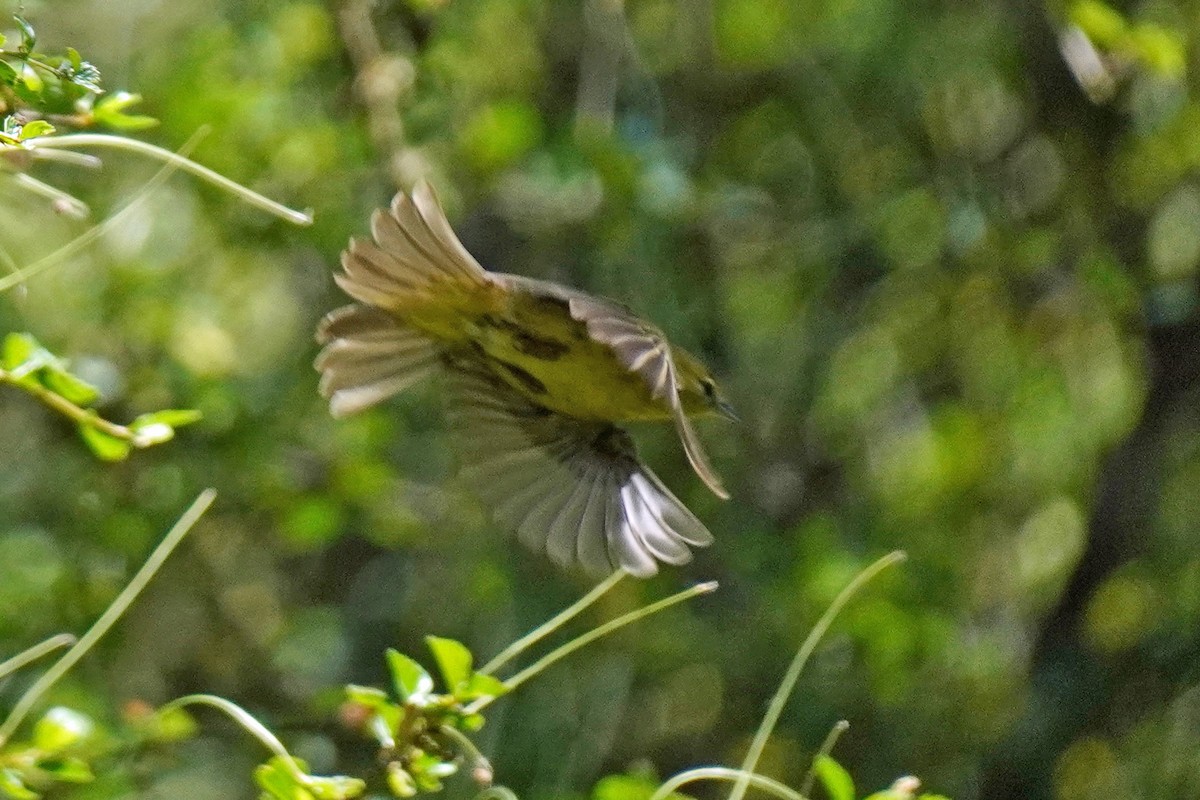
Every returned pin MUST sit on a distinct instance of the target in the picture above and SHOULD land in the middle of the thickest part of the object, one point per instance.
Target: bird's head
(698, 389)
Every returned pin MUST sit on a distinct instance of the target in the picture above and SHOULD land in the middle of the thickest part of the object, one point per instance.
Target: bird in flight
(538, 379)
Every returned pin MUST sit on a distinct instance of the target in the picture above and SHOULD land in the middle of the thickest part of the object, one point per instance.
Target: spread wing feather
(572, 489)
(368, 357)
(415, 258)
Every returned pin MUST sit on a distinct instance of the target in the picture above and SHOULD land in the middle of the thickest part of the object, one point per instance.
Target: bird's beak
(726, 411)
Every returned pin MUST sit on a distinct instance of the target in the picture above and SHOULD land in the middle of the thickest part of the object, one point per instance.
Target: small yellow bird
(538, 374)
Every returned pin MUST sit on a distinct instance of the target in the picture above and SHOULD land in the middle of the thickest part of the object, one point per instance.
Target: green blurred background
(942, 254)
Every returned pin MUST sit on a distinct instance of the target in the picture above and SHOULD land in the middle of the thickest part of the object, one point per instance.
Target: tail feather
(368, 357)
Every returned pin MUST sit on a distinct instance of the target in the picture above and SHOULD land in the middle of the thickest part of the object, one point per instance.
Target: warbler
(538, 377)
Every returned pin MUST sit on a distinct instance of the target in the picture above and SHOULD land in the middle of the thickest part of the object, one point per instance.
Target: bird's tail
(415, 283)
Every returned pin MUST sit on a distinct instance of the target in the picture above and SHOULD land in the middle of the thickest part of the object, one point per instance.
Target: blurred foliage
(944, 256)
(27, 365)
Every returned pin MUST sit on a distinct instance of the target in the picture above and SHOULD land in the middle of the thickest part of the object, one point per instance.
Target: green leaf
(386, 715)
(8, 75)
(60, 728)
(335, 787)
(384, 723)
(453, 659)
(399, 782)
(13, 788)
(130, 122)
(428, 770)
(482, 685)
(412, 682)
(56, 378)
(172, 417)
(277, 781)
(104, 446)
(367, 696)
(29, 76)
(27, 359)
(19, 349)
(152, 434)
(110, 111)
(28, 35)
(159, 426)
(834, 777)
(67, 770)
(117, 102)
(34, 128)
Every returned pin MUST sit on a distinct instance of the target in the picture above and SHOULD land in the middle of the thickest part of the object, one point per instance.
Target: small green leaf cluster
(65, 746)
(52, 755)
(422, 733)
(35, 85)
(25, 364)
(279, 780)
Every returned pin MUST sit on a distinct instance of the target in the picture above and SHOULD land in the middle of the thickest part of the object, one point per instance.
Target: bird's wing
(573, 489)
(415, 259)
(645, 352)
(415, 263)
(369, 356)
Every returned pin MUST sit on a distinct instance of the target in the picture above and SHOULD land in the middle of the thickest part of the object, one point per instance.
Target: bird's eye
(709, 388)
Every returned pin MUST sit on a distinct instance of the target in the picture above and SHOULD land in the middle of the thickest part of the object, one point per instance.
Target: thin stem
(70, 140)
(775, 707)
(67, 157)
(96, 231)
(111, 614)
(77, 414)
(69, 203)
(594, 634)
(9, 263)
(249, 724)
(554, 623)
(34, 653)
(479, 761)
(839, 727)
(28, 59)
(726, 774)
